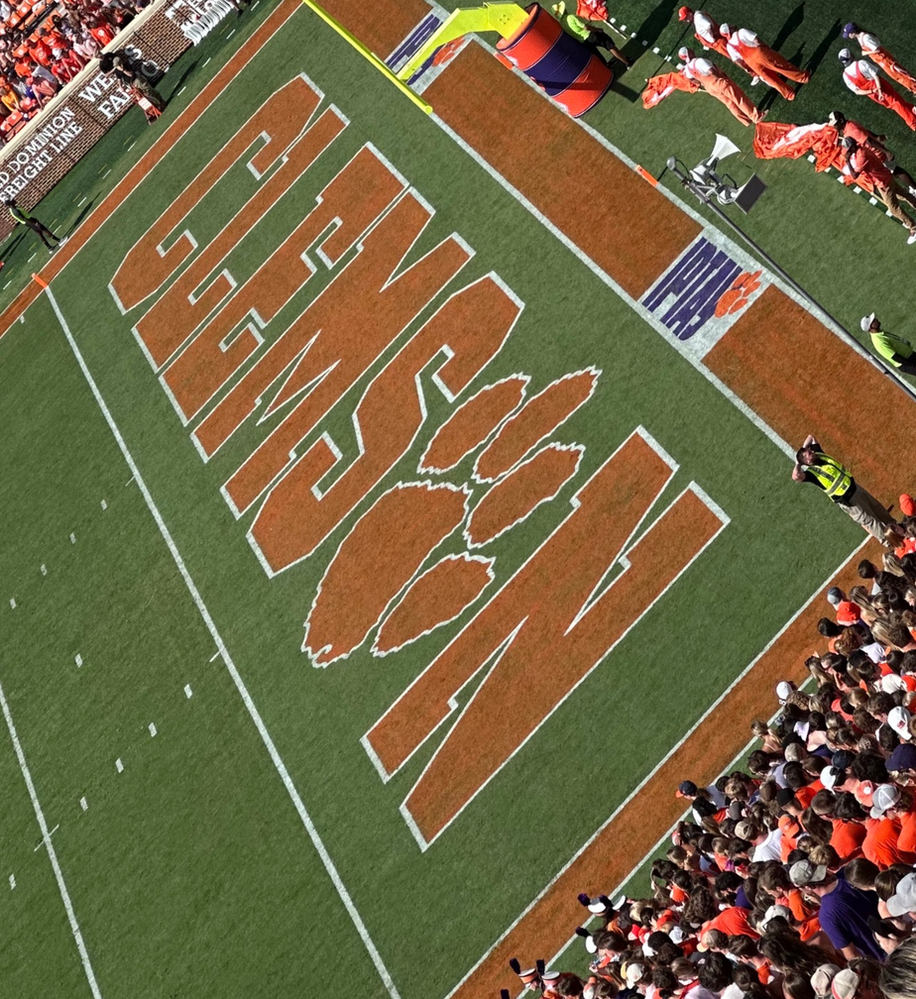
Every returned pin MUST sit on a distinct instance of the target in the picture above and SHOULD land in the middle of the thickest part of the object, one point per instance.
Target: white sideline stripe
(52, 854)
(230, 666)
(671, 752)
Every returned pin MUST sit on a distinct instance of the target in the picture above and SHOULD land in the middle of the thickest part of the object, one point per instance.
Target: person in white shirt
(705, 30)
(863, 78)
(746, 49)
(878, 54)
(720, 86)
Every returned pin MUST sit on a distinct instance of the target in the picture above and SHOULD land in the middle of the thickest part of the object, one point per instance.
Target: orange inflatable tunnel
(561, 65)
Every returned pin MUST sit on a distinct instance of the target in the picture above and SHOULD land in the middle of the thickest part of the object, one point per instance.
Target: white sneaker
(912, 237)
(755, 80)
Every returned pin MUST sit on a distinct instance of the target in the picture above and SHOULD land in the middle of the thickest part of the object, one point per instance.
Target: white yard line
(230, 666)
(52, 854)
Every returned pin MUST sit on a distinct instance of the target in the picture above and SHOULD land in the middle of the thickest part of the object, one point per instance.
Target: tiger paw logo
(376, 580)
(737, 296)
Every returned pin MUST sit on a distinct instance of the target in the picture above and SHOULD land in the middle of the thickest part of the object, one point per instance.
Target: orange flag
(591, 10)
(659, 87)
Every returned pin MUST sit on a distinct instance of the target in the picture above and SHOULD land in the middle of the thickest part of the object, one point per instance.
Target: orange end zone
(801, 378)
(544, 170)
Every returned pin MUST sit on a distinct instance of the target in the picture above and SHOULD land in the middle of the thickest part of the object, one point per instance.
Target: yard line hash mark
(250, 706)
(187, 688)
(119, 766)
(52, 853)
(42, 843)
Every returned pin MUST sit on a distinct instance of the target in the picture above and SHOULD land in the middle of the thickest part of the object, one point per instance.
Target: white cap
(773, 912)
(866, 322)
(683, 53)
(784, 690)
(844, 55)
(899, 720)
(634, 973)
(829, 777)
(884, 797)
(724, 30)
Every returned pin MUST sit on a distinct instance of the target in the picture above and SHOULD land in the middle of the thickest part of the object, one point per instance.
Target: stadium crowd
(794, 877)
(40, 54)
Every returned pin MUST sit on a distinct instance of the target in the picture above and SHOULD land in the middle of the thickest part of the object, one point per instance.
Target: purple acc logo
(686, 296)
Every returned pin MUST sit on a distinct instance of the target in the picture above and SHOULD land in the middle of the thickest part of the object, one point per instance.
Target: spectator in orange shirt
(791, 810)
(880, 845)
(774, 880)
(849, 830)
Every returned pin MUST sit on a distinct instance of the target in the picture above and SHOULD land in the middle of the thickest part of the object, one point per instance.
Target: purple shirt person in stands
(844, 911)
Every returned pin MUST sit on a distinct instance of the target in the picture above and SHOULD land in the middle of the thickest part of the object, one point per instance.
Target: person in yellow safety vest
(592, 39)
(813, 465)
(21, 217)
(893, 348)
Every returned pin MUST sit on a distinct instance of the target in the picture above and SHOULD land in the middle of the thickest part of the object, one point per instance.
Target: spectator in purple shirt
(844, 910)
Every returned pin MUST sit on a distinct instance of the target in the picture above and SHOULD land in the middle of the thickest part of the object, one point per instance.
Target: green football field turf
(192, 872)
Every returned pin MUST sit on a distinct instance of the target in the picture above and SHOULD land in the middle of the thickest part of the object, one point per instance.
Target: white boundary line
(275, 757)
(52, 853)
(605, 278)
